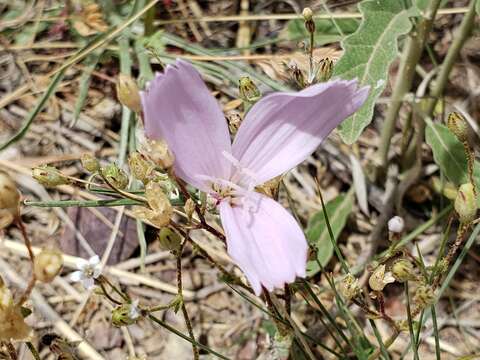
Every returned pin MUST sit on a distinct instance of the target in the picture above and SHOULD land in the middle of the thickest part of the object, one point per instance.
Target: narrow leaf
(368, 54)
(338, 210)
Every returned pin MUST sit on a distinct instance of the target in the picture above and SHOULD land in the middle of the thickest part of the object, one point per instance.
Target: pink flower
(279, 132)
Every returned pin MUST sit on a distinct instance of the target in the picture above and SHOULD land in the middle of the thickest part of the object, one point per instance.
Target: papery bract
(279, 132)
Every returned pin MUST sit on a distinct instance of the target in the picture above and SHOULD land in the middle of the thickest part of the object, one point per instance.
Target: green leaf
(368, 55)
(449, 154)
(338, 211)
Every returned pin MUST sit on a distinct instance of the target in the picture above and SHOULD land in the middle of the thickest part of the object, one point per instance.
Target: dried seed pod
(115, 176)
(49, 176)
(90, 163)
(349, 287)
(140, 167)
(47, 265)
(403, 270)
(128, 93)
(158, 152)
(9, 200)
(380, 278)
(424, 296)
(12, 323)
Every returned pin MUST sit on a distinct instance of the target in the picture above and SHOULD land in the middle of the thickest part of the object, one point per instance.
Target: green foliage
(449, 154)
(325, 30)
(338, 211)
(369, 53)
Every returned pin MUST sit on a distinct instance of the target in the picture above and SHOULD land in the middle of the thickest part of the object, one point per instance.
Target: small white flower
(88, 271)
(396, 224)
(134, 312)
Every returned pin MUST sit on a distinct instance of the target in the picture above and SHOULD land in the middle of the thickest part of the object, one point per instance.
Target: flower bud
(125, 314)
(296, 74)
(169, 240)
(90, 163)
(456, 124)
(189, 208)
(466, 203)
(128, 94)
(396, 225)
(325, 69)
(379, 278)
(424, 296)
(47, 265)
(9, 200)
(158, 152)
(140, 167)
(307, 14)
(248, 90)
(403, 270)
(115, 176)
(349, 287)
(49, 176)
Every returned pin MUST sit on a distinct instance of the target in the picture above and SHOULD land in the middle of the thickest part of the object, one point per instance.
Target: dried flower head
(380, 278)
(396, 225)
(90, 163)
(115, 176)
(128, 93)
(403, 270)
(49, 176)
(88, 271)
(12, 322)
(47, 265)
(349, 287)
(158, 152)
(466, 203)
(248, 90)
(9, 200)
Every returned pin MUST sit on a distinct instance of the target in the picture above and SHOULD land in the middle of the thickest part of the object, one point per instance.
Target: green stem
(411, 56)
(34, 351)
(196, 354)
(190, 340)
(410, 323)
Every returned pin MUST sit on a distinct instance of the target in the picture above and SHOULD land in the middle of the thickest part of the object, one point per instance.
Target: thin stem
(379, 339)
(410, 323)
(190, 340)
(196, 354)
(435, 332)
(34, 351)
(330, 232)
